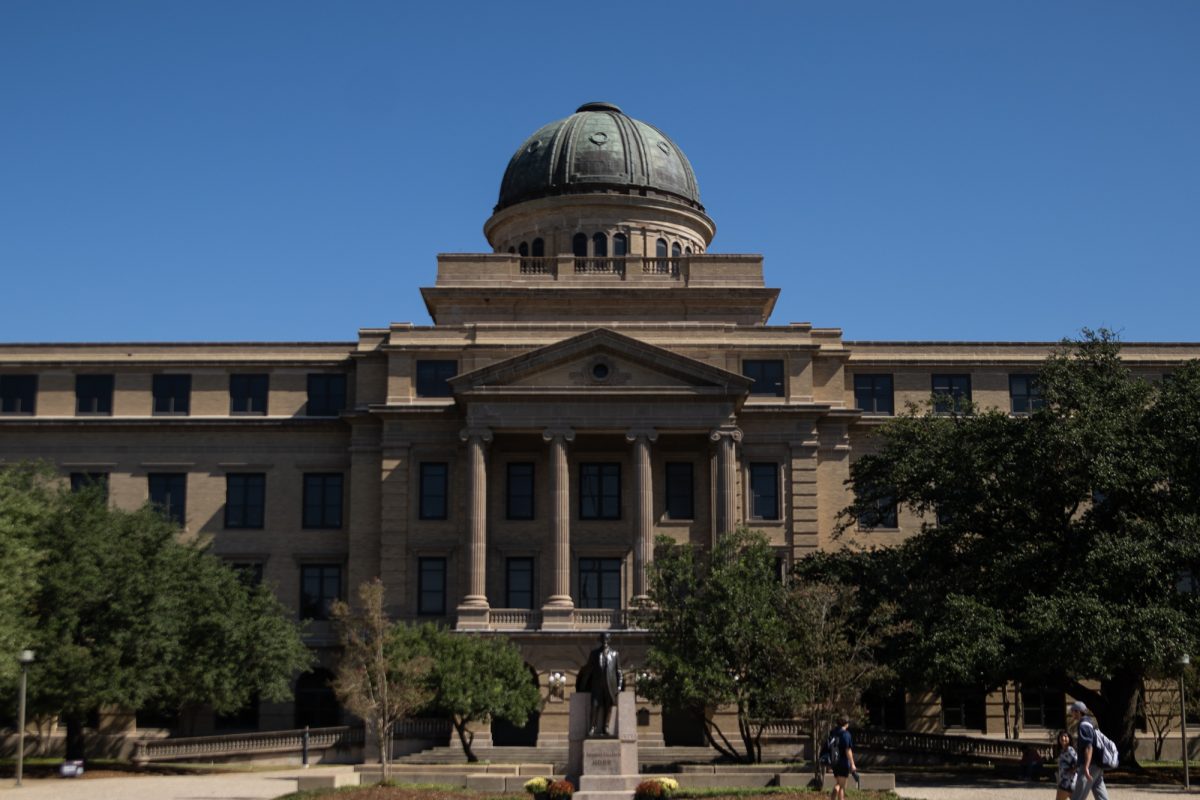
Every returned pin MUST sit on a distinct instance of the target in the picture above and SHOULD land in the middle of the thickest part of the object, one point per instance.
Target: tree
(24, 507)
(1160, 706)
(126, 615)
(1060, 537)
(381, 677)
(475, 679)
(720, 637)
(839, 643)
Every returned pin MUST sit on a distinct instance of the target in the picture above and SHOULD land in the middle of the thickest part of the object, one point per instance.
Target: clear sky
(251, 170)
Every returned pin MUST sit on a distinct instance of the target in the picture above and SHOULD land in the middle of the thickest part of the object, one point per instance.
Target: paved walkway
(266, 785)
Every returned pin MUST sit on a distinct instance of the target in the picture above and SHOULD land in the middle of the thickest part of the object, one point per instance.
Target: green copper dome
(598, 149)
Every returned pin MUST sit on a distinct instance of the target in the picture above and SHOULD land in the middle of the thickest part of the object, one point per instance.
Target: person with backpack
(838, 753)
(1095, 751)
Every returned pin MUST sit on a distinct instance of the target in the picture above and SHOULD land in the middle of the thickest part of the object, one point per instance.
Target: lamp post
(1183, 665)
(25, 659)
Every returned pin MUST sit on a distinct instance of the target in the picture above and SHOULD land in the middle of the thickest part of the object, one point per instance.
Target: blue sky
(226, 170)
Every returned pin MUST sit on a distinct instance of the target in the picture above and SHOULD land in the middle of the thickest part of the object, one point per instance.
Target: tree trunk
(1018, 710)
(1118, 720)
(76, 745)
(382, 734)
(466, 737)
(1004, 708)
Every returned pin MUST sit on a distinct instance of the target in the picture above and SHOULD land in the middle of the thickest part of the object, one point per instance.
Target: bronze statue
(601, 676)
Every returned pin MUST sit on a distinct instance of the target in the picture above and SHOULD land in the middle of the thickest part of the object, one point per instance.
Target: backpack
(831, 751)
(1107, 750)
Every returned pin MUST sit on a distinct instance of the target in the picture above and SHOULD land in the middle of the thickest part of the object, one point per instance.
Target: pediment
(600, 361)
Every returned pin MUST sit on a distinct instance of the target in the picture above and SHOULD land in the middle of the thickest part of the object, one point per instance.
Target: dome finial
(599, 107)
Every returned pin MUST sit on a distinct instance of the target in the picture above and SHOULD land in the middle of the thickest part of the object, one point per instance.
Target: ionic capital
(726, 432)
(649, 434)
(480, 432)
(566, 434)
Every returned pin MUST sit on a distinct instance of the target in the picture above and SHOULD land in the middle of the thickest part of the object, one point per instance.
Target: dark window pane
(1025, 394)
(520, 491)
(320, 585)
(767, 375)
(873, 394)
(599, 583)
(884, 515)
(1044, 708)
(431, 586)
(579, 245)
(599, 491)
(518, 583)
(18, 394)
(326, 394)
(316, 702)
(89, 481)
(620, 245)
(679, 491)
(951, 393)
(523, 249)
(322, 500)
(168, 491)
(248, 394)
(432, 377)
(245, 495)
(660, 248)
(93, 394)
(245, 719)
(434, 490)
(963, 708)
(600, 245)
(172, 394)
(539, 248)
(676, 250)
(764, 491)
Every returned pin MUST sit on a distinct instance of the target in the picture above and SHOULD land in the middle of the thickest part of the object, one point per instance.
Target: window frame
(171, 394)
(82, 481)
(426, 475)
(605, 471)
(319, 482)
(15, 390)
(172, 510)
(246, 506)
(245, 387)
(323, 600)
(961, 400)
(1031, 398)
(434, 383)
(509, 589)
(423, 590)
(671, 482)
(510, 495)
(752, 489)
(323, 387)
(604, 566)
(758, 365)
(100, 393)
(875, 390)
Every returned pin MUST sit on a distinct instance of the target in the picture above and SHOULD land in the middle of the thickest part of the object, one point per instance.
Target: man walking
(1090, 772)
(843, 766)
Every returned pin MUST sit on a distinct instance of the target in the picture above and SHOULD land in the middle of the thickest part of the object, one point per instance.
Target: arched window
(539, 248)
(579, 245)
(620, 245)
(600, 245)
(523, 250)
(512, 250)
(676, 250)
(660, 248)
(687, 251)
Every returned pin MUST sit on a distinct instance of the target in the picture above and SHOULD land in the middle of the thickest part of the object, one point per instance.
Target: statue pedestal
(603, 764)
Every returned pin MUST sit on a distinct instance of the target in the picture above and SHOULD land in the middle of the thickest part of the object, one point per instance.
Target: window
(249, 572)
(599, 583)
(518, 583)
(679, 485)
(767, 375)
(323, 500)
(620, 245)
(320, 585)
(873, 394)
(90, 481)
(172, 394)
(519, 504)
(431, 586)
(676, 250)
(579, 245)
(18, 394)
(539, 248)
(434, 490)
(245, 499)
(432, 377)
(599, 491)
(885, 514)
(248, 394)
(952, 393)
(1044, 708)
(660, 248)
(326, 394)
(886, 708)
(168, 491)
(962, 707)
(1025, 393)
(600, 245)
(93, 394)
(764, 491)
(523, 249)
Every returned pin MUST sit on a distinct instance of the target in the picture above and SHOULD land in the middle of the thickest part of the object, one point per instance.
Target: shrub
(560, 790)
(655, 788)
(536, 785)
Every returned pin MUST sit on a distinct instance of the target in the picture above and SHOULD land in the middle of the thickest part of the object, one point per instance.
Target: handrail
(286, 741)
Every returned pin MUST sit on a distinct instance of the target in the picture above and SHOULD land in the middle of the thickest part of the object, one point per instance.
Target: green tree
(1061, 536)
(720, 637)
(128, 616)
(381, 677)
(24, 507)
(475, 679)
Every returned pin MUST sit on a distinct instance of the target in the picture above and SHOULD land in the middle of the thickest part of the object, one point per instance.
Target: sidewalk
(1020, 790)
(227, 786)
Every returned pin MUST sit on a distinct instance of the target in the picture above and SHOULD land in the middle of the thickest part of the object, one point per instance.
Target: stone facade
(506, 468)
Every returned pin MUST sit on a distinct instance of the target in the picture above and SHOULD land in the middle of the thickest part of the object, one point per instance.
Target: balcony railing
(518, 619)
(539, 266)
(594, 619)
(661, 266)
(614, 265)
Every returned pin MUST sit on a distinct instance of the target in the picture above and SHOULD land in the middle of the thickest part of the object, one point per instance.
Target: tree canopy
(1054, 544)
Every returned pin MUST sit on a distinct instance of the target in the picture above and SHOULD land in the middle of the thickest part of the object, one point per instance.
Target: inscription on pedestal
(601, 757)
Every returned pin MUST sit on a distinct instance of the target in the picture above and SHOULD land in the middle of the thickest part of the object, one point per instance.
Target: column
(559, 609)
(473, 610)
(643, 543)
(727, 438)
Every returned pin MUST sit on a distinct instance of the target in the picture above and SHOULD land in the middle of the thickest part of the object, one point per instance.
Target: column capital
(564, 433)
(633, 434)
(476, 432)
(725, 431)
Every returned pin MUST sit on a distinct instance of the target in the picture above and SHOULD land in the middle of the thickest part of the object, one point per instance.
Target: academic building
(597, 378)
